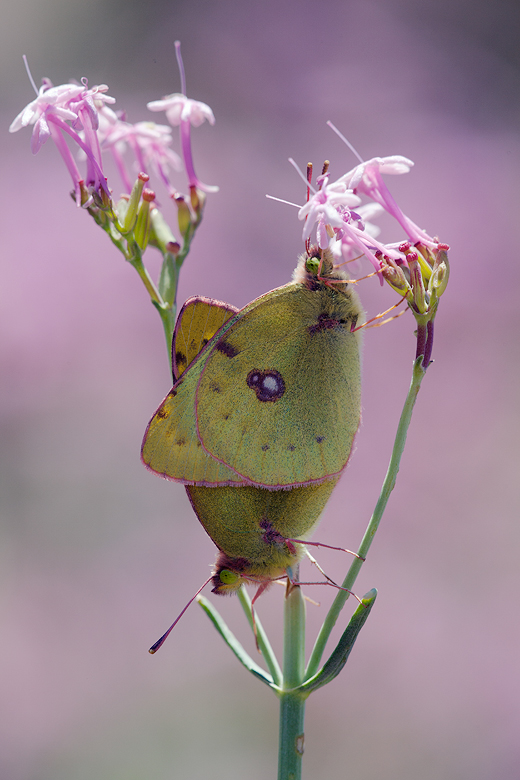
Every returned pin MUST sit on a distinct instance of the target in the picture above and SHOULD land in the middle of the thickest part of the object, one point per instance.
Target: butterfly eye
(312, 265)
(228, 577)
(268, 385)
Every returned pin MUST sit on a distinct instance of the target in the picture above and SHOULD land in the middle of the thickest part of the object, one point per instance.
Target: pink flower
(180, 108)
(185, 112)
(344, 231)
(330, 205)
(149, 142)
(69, 109)
(366, 179)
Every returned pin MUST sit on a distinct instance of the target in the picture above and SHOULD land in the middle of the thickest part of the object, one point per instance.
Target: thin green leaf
(262, 638)
(339, 657)
(233, 643)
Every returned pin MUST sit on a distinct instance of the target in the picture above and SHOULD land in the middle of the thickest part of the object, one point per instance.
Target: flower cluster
(76, 115)
(82, 115)
(416, 268)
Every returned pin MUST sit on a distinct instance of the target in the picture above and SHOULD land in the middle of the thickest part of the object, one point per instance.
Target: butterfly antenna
(258, 593)
(165, 636)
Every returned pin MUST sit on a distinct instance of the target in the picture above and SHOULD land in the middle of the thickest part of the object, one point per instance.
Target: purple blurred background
(98, 556)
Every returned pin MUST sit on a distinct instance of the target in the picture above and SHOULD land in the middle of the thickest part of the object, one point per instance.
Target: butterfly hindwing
(171, 447)
(250, 525)
(198, 321)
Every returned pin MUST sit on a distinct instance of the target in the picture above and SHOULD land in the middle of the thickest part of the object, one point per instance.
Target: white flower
(394, 164)
(180, 108)
(66, 103)
(328, 206)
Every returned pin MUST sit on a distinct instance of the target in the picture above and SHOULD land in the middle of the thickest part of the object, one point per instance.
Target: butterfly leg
(263, 586)
(328, 546)
(378, 317)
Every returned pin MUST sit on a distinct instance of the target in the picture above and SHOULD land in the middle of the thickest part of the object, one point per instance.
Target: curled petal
(40, 134)
(180, 108)
(394, 164)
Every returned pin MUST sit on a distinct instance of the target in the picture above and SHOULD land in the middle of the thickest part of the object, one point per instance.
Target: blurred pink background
(98, 556)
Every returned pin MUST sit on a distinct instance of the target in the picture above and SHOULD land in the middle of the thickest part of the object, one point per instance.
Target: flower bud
(197, 200)
(441, 274)
(142, 226)
(183, 215)
(130, 217)
(161, 235)
(395, 277)
(416, 283)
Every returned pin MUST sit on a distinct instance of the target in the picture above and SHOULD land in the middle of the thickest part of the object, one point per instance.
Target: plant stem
(292, 701)
(388, 485)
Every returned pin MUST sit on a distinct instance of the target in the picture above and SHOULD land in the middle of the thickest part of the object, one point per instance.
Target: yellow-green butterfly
(272, 399)
(256, 529)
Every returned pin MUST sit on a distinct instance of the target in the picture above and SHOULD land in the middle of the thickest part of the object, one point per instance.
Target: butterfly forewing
(278, 399)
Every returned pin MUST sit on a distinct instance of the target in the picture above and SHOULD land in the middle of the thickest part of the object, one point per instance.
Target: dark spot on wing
(214, 387)
(163, 413)
(273, 537)
(268, 385)
(180, 442)
(291, 447)
(265, 447)
(324, 323)
(180, 357)
(319, 439)
(226, 349)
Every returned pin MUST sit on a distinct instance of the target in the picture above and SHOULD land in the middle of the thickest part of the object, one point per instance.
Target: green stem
(166, 313)
(292, 701)
(167, 316)
(137, 262)
(388, 486)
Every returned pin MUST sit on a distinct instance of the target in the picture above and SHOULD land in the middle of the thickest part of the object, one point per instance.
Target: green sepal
(233, 643)
(168, 279)
(333, 666)
(142, 225)
(161, 235)
(130, 213)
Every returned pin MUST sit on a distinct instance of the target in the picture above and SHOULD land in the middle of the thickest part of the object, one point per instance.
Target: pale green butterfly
(253, 527)
(273, 399)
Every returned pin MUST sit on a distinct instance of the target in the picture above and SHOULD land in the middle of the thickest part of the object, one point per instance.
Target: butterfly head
(229, 574)
(316, 268)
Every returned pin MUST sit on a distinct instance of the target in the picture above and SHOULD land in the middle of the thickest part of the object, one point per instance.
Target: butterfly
(258, 529)
(271, 398)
